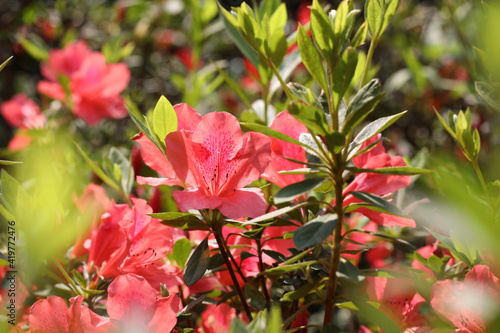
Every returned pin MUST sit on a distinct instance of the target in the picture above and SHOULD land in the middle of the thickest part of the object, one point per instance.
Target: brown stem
(261, 269)
(335, 256)
(229, 266)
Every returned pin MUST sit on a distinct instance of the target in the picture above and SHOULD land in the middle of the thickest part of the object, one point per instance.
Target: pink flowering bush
(271, 187)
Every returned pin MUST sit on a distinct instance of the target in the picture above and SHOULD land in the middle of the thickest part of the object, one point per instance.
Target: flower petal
(187, 117)
(195, 199)
(165, 314)
(245, 202)
(49, 315)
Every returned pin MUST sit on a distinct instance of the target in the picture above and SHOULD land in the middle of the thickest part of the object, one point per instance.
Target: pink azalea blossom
(22, 112)
(469, 305)
(133, 306)
(130, 241)
(216, 318)
(378, 184)
(52, 315)
(216, 161)
(398, 299)
(94, 86)
(187, 119)
(290, 126)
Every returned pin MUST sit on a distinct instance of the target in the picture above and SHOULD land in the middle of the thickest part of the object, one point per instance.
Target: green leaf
(374, 15)
(181, 251)
(343, 74)
(126, 174)
(288, 65)
(362, 104)
(276, 213)
(164, 119)
(299, 293)
(135, 116)
(351, 306)
(34, 48)
(311, 116)
(360, 36)
(254, 297)
(197, 263)
(287, 268)
(377, 317)
(272, 133)
(301, 171)
(377, 201)
(2, 66)
(371, 130)
(5, 162)
(400, 171)
(185, 221)
(311, 58)
(348, 272)
(314, 231)
(292, 191)
(390, 10)
(273, 324)
(488, 93)
(233, 29)
(322, 32)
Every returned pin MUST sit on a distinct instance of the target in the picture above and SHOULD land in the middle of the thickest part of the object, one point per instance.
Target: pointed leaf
(2, 66)
(292, 191)
(181, 251)
(272, 133)
(377, 201)
(197, 263)
(399, 171)
(164, 119)
(314, 231)
(311, 58)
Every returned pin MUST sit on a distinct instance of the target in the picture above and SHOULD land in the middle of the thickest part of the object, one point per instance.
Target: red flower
(471, 304)
(94, 86)
(216, 161)
(22, 112)
(290, 126)
(132, 305)
(52, 315)
(378, 184)
(130, 241)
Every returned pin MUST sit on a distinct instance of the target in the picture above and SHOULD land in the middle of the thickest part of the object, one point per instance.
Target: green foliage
(197, 263)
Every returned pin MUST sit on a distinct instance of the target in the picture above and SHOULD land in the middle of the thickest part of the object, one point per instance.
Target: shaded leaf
(292, 191)
(314, 231)
(377, 201)
(197, 263)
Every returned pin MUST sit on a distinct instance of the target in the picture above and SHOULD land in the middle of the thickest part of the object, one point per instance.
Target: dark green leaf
(277, 213)
(299, 293)
(377, 201)
(216, 261)
(197, 263)
(279, 257)
(348, 272)
(314, 231)
(292, 191)
(254, 297)
(362, 104)
(371, 130)
(272, 133)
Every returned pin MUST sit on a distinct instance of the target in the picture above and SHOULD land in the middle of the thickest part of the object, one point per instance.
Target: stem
(371, 50)
(483, 183)
(222, 250)
(335, 256)
(261, 269)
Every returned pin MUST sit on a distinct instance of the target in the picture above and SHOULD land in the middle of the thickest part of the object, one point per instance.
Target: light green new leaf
(164, 118)
(311, 58)
(5, 63)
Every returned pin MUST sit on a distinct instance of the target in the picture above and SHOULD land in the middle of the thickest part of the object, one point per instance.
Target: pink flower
(187, 119)
(469, 305)
(216, 161)
(290, 126)
(378, 184)
(130, 241)
(52, 315)
(398, 299)
(94, 86)
(217, 318)
(133, 306)
(22, 112)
